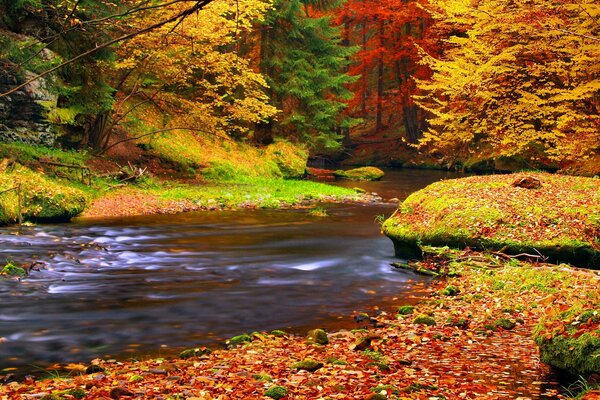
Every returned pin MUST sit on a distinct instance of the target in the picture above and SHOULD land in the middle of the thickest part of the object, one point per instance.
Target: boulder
(360, 174)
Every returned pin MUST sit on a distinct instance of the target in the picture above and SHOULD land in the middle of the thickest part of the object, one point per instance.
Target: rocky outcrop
(23, 114)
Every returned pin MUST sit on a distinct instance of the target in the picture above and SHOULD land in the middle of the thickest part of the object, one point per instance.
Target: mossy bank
(558, 221)
(58, 185)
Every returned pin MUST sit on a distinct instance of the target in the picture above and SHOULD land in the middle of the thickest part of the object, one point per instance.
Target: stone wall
(23, 114)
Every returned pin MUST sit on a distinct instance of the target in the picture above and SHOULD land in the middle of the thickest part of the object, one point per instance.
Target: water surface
(134, 286)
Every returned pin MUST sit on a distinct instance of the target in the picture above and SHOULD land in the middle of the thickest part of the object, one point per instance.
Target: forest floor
(471, 338)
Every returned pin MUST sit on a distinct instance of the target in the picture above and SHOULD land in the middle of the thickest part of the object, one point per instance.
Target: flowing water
(130, 286)
(144, 286)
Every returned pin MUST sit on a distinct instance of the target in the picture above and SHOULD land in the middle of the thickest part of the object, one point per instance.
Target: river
(140, 286)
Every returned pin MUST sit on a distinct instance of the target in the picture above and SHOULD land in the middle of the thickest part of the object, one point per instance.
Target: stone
(119, 392)
(360, 174)
(527, 182)
(309, 365)
(317, 336)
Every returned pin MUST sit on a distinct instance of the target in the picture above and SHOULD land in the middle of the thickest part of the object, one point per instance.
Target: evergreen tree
(304, 61)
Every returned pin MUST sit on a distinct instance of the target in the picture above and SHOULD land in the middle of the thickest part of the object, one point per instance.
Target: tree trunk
(379, 123)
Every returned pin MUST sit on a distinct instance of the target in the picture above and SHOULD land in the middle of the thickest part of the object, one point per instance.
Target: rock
(486, 212)
(406, 310)
(119, 392)
(450, 290)
(504, 323)
(24, 113)
(527, 182)
(308, 365)
(317, 336)
(362, 317)
(424, 320)
(276, 392)
(360, 174)
(363, 344)
(240, 339)
(200, 351)
(94, 369)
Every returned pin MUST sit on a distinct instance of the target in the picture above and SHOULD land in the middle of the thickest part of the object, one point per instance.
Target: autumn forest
(300, 199)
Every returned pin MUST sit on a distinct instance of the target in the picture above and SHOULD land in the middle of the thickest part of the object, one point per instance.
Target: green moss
(277, 332)
(406, 310)
(578, 356)
(424, 320)
(263, 377)
(317, 336)
(276, 392)
(289, 158)
(336, 361)
(240, 339)
(361, 174)
(489, 213)
(388, 389)
(43, 199)
(11, 269)
(308, 365)
(450, 290)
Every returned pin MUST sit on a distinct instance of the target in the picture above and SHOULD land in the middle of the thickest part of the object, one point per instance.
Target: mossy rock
(276, 392)
(317, 336)
(187, 353)
(360, 174)
(308, 365)
(450, 290)
(43, 199)
(424, 320)
(406, 310)
(505, 324)
(239, 339)
(557, 220)
(136, 378)
(571, 341)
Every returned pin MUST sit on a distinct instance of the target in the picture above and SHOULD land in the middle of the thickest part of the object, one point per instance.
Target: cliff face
(23, 114)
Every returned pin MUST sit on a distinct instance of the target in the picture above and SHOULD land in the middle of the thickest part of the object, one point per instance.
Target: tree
(389, 34)
(191, 72)
(304, 61)
(521, 80)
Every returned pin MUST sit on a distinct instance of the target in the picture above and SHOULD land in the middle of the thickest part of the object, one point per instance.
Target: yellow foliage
(192, 72)
(523, 81)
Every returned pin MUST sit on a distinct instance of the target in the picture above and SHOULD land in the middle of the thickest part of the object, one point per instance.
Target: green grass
(26, 154)
(261, 192)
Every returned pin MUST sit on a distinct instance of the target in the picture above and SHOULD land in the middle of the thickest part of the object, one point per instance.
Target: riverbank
(471, 338)
(549, 216)
(58, 185)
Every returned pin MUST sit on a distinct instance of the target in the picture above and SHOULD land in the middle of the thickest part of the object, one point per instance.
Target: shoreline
(476, 332)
